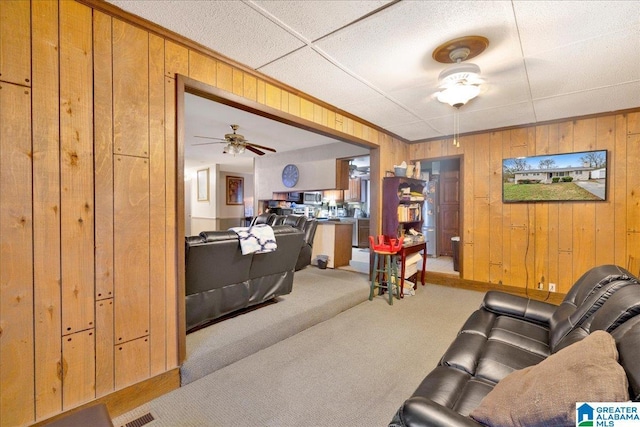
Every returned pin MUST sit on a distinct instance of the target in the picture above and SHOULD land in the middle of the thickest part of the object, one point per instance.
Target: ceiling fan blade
(209, 137)
(255, 150)
(209, 143)
(247, 143)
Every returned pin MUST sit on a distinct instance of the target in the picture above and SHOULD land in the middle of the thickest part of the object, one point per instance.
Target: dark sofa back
(220, 280)
(214, 261)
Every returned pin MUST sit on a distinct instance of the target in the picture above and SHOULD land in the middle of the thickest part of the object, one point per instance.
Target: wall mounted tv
(580, 176)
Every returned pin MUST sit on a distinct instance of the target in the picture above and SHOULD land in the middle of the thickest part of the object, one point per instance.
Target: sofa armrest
(422, 412)
(517, 306)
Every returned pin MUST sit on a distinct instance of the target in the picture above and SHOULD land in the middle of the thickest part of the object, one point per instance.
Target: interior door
(449, 209)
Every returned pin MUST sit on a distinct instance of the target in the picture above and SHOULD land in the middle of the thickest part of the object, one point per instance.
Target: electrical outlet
(540, 286)
(552, 287)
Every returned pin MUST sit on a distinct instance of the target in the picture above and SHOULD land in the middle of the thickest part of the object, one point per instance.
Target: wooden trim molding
(218, 95)
(127, 399)
(456, 282)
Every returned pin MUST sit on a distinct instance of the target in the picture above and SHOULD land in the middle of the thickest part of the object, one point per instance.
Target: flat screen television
(580, 176)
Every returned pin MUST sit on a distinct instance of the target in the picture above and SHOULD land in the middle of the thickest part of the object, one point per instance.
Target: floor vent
(145, 419)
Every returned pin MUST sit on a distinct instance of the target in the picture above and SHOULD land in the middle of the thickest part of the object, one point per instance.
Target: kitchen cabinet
(363, 232)
(333, 238)
(353, 194)
(287, 197)
(342, 174)
(336, 195)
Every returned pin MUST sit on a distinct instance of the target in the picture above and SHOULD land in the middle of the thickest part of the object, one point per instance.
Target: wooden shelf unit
(401, 210)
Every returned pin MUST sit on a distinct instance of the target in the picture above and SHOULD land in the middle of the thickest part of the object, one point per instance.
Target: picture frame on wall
(203, 185)
(235, 190)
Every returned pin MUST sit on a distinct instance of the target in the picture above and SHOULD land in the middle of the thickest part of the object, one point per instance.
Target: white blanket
(256, 239)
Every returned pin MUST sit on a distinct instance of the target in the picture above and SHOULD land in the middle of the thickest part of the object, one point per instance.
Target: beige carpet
(317, 295)
(354, 369)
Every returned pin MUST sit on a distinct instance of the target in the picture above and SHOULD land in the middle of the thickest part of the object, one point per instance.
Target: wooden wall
(518, 244)
(88, 191)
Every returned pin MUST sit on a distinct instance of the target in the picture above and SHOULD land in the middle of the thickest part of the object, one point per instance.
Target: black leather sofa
(510, 337)
(307, 225)
(220, 280)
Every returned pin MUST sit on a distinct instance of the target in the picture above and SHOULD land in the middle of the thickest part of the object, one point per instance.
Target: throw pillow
(546, 394)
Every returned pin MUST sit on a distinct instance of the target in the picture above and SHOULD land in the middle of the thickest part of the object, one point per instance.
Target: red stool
(385, 276)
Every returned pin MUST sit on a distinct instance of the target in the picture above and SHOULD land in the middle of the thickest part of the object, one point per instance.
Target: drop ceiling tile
(228, 27)
(589, 102)
(415, 131)
(313, 19)
(551, 24)
(599, 62)
(493, 118)
(308, 71)
(392, 49)
(381, 111)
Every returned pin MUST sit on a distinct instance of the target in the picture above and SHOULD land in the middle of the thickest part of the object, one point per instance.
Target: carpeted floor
(355, 368)
(317, 295)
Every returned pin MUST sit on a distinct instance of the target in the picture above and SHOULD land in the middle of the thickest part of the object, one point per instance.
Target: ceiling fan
(236, 143)
(461, 81)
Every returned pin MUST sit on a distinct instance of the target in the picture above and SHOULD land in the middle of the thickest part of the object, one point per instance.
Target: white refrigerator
(430, 211)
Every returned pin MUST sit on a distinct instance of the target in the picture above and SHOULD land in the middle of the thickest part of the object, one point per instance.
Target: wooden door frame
(461, 190)
(186, 84)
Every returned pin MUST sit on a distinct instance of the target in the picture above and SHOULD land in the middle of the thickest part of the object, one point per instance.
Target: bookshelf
(402, 203)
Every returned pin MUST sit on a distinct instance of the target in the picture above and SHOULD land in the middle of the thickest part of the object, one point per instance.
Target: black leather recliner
(306, 225)
(309, 227)
(509, 333)
(263, 218)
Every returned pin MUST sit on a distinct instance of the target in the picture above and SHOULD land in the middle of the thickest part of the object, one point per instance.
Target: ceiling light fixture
(460, 82)
(234, 148)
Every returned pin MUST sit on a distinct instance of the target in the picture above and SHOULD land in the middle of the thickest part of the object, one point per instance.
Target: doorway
(187, 85)
(443, 213)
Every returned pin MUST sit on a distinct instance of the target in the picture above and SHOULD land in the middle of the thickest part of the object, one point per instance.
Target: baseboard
(123, 401)
(456, 282)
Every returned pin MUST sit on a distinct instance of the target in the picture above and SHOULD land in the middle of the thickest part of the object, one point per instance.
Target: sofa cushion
(546, 393)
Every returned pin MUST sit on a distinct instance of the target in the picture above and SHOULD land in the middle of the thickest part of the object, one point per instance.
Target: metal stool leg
(394, 263)
(390, 280)
(374, 275)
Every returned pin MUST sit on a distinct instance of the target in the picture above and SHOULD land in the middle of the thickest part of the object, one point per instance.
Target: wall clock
(290, 175)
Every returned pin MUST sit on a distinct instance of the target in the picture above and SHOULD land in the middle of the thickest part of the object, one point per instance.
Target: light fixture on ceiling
(460, 82)
(234, 148)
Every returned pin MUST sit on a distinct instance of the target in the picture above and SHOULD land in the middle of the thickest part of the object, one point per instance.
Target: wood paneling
(172, 239)
(16, 268)
(554, 241)
(103, 148)
(130, 90)
(103, 143)
(157, 208)
(176, 60)
(633, 123)
(618, 189)
(224, 77)
(78, 368)
(15, 42)
(132, 362)
(633, 183)
(46, 208)
(131, 247)
(202, 68)
(105, 368)
(76, 167)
